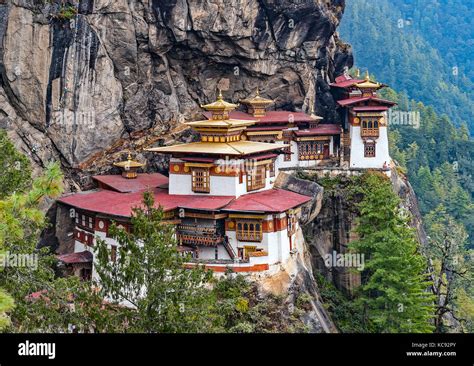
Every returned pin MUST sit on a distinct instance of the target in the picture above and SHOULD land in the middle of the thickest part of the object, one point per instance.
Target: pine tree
(394, 295)
(149, 276)
(452, 263)
(15, 167)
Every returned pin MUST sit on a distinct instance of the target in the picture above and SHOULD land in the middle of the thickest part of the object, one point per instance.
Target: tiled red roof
(265, 128)
(121, 204)
(79, 257)
(262, 156)
(370, 108)
(345, 82)
(272, 200)
(285, 117)
(270, 117)
(323, 129)
(350, 101)
(140, 183)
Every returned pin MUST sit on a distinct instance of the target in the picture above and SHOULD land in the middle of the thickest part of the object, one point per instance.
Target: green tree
(15, 167)
(149, 276)
(451, 263)
(394, 294)
(21, 221)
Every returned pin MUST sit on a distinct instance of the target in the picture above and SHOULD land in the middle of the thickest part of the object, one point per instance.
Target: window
(369, 149)
(292, 224)
(86, 274)
(249, 231)
(311, 150)
(256, 178)
(85, 222)
(201, 180)
(287, 151)
(271, 167)
(370, 128)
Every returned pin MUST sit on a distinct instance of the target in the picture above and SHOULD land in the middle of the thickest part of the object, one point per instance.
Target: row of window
(201, 178)
(313, 150)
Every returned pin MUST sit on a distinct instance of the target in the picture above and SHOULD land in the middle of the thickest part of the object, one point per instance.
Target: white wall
(357, 150)
(220, 186)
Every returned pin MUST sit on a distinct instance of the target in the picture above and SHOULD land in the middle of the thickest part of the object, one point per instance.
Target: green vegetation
(424, 50)
(394, 295)
(149, 274)
(438, 160)
(15, 167)
(66, 12)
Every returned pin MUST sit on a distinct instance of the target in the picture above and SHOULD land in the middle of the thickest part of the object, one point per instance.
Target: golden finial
(129, 157)
(367, 76)
(358, 73)
(258, 92)
(219, 96)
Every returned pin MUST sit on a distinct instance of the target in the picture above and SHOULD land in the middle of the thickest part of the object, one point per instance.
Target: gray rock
(81, 88)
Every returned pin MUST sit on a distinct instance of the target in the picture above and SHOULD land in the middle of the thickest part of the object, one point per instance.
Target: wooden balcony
(198, 235)
(369, 132)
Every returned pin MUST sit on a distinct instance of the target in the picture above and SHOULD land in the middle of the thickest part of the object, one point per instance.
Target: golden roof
(129, 163)
(221, 124)
(367, 83)
(257, 100)
(219, 105)
(220, 148)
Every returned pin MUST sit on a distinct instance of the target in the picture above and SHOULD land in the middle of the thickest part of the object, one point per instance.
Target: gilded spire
(358, 73)
(129, 167)
(257, 105)
(313, 116)
(369, 84)
(220, 108)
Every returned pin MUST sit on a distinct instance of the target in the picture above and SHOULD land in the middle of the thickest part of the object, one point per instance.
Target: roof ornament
(313, 116)
(257, 105)
(129, 167)
(220, 108)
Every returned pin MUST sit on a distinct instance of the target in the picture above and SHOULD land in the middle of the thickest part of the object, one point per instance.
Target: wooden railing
(369, 132)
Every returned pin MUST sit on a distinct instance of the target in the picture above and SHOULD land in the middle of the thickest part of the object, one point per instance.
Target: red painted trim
(254, 268)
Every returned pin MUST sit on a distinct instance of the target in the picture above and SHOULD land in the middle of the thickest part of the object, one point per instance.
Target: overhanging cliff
(82, 82)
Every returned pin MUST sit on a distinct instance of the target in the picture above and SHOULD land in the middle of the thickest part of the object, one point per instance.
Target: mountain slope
(400, 46)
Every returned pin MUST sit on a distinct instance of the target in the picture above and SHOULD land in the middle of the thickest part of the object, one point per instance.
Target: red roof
(370, 108)
(262, 156)
(350, 101)
(285, 117)
(266, 128)
(79, 257)
(140, 183)
(345, 81)
(272, 200)
(270, 117)
(323, 129)
(121, 204)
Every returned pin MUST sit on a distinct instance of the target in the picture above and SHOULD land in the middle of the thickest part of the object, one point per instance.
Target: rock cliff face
(335, 225)
(81, 81)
